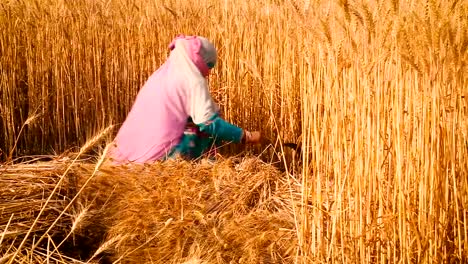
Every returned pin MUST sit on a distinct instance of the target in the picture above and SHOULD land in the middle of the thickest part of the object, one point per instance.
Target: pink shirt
(158, 117)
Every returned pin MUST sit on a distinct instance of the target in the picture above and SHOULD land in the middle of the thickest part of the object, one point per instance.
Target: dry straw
(232, 210)
(375, 90)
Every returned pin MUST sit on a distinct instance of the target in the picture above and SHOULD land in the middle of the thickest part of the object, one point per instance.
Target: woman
(174, 113)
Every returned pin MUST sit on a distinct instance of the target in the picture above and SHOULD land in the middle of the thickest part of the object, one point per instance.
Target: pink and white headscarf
(177, 90)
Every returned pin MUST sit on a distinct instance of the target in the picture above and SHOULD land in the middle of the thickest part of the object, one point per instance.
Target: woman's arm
(205, 114)
(221, 129)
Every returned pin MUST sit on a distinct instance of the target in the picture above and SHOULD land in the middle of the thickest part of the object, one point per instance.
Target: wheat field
(375, 92)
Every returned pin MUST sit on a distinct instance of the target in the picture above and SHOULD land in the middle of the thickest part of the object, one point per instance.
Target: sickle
(294, 146)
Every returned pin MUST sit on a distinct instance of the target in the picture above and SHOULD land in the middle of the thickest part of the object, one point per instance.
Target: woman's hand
(252, 137)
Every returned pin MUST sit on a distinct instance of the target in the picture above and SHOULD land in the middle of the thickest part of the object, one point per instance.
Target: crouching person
(174, 113)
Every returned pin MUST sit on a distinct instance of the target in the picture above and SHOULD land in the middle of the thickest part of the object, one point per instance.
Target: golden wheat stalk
(57, 185)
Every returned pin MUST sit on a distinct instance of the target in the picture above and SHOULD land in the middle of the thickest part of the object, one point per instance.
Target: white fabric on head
(200, 104)
(208, 51)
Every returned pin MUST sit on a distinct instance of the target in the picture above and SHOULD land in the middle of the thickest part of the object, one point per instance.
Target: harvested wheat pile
(26, 192)
(232, 210)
